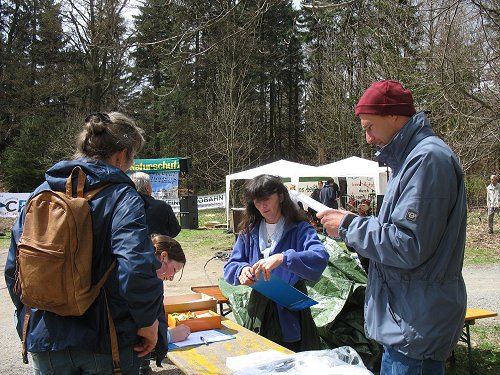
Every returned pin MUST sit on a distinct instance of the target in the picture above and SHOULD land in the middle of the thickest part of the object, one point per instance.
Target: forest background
(235, 84)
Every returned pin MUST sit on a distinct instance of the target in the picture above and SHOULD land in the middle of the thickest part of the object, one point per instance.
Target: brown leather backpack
(54, 258)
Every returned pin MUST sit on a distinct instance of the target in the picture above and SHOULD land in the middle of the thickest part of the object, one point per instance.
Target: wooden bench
(214, 291)
(470, 319)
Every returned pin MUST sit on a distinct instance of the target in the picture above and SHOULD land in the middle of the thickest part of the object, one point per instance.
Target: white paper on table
(210, 335)
(308, 201)
(253, 359)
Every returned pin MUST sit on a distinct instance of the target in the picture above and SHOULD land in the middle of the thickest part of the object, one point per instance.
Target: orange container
(203, 320)
(189, 302)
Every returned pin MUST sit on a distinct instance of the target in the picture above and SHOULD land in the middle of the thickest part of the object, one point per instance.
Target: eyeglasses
(104, 117)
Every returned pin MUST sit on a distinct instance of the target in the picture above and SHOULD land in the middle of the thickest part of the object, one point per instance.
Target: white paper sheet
(211, 335)
(308, 201)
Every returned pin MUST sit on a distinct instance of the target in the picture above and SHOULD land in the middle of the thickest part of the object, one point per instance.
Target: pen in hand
(203, 340)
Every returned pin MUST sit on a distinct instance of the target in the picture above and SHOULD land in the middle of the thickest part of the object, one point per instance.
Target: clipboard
(283, 294)
(202, 338)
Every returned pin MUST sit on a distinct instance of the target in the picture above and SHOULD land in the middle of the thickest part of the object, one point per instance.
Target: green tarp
(339, 313)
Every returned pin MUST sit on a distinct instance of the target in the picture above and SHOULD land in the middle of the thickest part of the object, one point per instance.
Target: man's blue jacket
(415, 299)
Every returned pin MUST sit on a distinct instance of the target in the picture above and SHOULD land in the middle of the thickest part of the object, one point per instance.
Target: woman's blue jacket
(135, 293)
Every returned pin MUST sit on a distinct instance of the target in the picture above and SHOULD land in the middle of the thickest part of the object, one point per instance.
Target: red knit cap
(386, 98)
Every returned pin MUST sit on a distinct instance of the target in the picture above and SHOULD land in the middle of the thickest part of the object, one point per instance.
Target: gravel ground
(483, 290)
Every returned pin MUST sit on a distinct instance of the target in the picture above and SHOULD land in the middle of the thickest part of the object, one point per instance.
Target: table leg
(221, 309)
(452, 359)
(469, 349)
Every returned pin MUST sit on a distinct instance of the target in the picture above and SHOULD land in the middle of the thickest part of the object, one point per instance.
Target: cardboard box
(189, 302)
(203, 320)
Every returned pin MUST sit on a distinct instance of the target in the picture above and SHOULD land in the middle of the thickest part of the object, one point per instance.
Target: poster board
(164, 174)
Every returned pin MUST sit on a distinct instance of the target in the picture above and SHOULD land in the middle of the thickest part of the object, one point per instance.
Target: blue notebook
(283, 294)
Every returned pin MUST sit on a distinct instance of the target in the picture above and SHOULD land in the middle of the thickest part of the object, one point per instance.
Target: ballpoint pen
(203, 340)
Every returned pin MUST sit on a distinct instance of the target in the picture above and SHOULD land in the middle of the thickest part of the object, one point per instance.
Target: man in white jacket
(492, 200)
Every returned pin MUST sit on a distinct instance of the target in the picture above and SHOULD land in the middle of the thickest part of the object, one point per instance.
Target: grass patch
(5, 242)
(477, 256)
(485, 352)
(480, 247)
(205, 242)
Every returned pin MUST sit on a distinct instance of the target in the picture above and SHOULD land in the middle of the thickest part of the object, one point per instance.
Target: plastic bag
(339, 361)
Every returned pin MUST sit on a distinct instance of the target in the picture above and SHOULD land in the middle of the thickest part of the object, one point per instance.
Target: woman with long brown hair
(276, 239)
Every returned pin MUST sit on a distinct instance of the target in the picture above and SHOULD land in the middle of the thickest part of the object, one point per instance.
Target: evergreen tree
(15, 67)
(98, 44)
(352, 45)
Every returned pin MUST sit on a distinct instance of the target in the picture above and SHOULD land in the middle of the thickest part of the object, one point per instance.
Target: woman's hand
(246, 276)
(266, 266)
(179, 333)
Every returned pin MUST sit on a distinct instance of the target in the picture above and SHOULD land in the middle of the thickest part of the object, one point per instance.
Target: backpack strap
(115, 354)
(27, 314)
(80, 184)
(104, 277)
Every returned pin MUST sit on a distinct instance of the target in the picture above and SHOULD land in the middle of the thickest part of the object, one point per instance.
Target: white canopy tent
(349, 167)
(357, 167)
(353, 167)
(282, 168)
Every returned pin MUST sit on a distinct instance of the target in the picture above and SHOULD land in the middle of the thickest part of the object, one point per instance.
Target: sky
(132, 5)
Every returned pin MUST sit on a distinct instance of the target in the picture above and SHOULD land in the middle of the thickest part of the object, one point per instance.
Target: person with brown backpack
(81, 269)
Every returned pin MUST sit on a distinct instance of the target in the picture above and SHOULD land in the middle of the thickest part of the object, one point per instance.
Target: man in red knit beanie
(415, 299)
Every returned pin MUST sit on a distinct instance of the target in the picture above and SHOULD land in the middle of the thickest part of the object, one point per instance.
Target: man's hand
(246, 276)
(149, 337)
(179, 333)
(266, 266)
(330, 219)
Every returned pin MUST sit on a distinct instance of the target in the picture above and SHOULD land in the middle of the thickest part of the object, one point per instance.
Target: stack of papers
(201, 338)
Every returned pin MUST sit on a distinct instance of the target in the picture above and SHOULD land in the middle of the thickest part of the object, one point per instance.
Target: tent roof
(283, 168)
(351, 167)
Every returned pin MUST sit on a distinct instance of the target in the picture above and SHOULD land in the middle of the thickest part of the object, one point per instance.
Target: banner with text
(205, 202)
(156, 165)
(12, 203)
(164, 175)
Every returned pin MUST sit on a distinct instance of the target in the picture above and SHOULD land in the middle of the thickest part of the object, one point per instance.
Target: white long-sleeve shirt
(493, 196)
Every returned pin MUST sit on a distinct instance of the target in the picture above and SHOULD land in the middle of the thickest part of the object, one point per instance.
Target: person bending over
(169, 252)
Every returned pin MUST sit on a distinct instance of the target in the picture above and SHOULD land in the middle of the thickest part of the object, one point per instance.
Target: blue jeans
(75, 361)
(395, 363)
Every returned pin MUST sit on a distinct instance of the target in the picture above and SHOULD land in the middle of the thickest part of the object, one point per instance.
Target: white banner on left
(12, 203)
(205, 202)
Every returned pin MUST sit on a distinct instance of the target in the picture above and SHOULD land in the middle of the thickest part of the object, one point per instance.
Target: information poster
(164, 174)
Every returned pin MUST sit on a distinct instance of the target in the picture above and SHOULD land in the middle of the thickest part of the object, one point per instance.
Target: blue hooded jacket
(415, 299)
(304, 258)
(135, 293)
